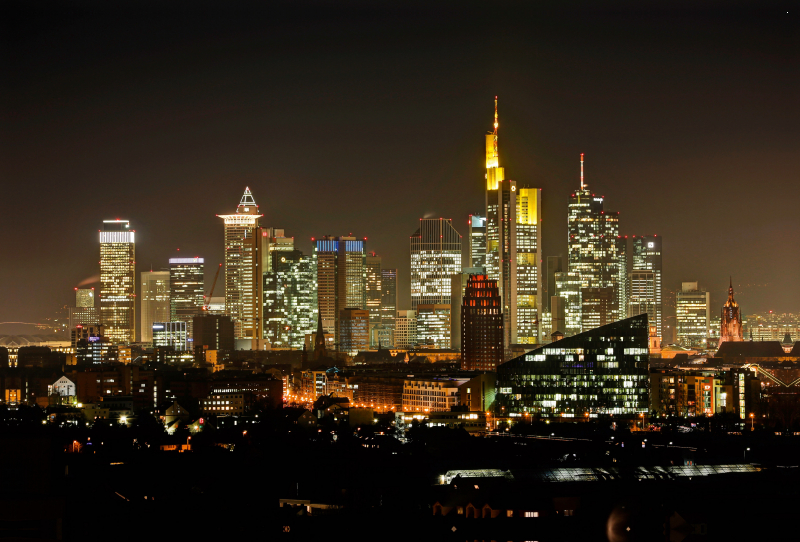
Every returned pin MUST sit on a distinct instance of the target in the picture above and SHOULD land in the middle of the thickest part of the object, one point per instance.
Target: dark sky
(344, 118)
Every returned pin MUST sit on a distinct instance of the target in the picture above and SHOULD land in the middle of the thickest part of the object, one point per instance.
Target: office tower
(86, 332)
(554, 265)
(501, 239)
(388, 297)
(592, 241)
(435, 257)
(731, 323)
(646, 256)
(622, 247)
(290, 299)
(568, 290)
(597, 307)
(212, 332)
(118, 281)
(273, 240)
(171, 335)
(556, 381)
(405, 329)
(476, 257)
(339, 265)
(529, 278)
(155, 301)
(373, 288)
(186, 290)
(641, 294)
(692, 315)
(433, 325)
(353, 330)
(84, 312)
(458, 286)
(243, 269)
(481, 325)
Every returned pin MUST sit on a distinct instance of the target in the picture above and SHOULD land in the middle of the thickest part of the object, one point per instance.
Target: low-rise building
(227, 404)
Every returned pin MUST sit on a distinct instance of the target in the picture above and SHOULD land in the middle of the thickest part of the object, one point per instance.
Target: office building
(86, 332)
(339, 264)
(171, 335)
(354, 331)
(186, 290)
(597, 307)
(436, 394)
(646, 256)
(458, 286)
(405, 329)
(554, 265)
(118, 281)
(692, 315)
(501, 239)
(433, 325)
(641, 294)
(476, 257)
(772, 326)
(155, 301)
(435, 257)
(373, 288)
(388, 298)
(273, 240)
(213, 332)
(481, 325)
(600, 372)
(529, 277)
(243, 270)
(290, 299)
(731, 323)
(569, 311)
(84, 312)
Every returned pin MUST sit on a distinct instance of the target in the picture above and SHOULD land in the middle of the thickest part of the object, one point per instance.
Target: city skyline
(639, 154)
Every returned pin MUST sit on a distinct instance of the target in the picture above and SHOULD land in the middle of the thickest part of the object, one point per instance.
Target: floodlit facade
(290, 299)
(118, 281)
(186, 290)
(481, 325)
(339, 264)
(155, 301)
(477, 241)
(431, 394)
(603, 371)
(243, 269)
(731, 323)
(529, 277)
(646, 256)
(435, 257)
(692, 315)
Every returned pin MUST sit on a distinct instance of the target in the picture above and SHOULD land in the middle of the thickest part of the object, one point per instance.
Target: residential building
(692, 315)
(118, 281)
(155, 301)
(481, 325)
(186, 290)
(227, 404)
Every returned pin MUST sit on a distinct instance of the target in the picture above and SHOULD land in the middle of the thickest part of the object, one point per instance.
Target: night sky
(343, 118)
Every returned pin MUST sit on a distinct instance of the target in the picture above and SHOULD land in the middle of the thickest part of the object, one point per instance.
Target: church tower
(731, 325)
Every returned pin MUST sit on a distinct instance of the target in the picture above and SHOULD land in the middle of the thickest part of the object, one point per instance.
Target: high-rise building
(641, 294)
(405, 329)
(597, 307)
(476, 256)
(692, 315)
(731, 324)
(155, 301)
(273, 240)
(433, 325)
(646, 256)
(501, 238)
(171, 335)
(554, 265)
(529, 277)
(576, 377)
(481, 325)
(353, 330)
(435, 257)
(84, 312)
(212, 332)
(592, 241)
(243, 269)
(186, 290)
(339, 266)
(118, 281)
(388, 297)
(290, 299)
(458, 287)
(373, 288)
(570, 305)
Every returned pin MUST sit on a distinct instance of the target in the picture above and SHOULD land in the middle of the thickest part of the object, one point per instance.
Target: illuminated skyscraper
(243, 269)
(592, 242)
(477, 241)
(372, 269)
(481, 325)
(435, 257)
(501, 238)
(155, 301)
(570, 306)
(186, 290)
(405, 329)
(692, 315)
(597, 307)
(646, 256)
(642, 294)
(433, 325)
(554, 265)
(84, 312)
(273, 240)
(290, 299)
(339, 264)
(353, 330)
(388, 297)
(118, 281)
(529, 276)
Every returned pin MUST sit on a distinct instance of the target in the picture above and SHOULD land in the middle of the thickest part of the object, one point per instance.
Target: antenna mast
(495, 128)
(582, 185)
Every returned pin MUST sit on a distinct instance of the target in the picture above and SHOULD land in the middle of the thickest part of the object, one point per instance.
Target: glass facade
(433, 325)
(435, 257)
(290, 299)
(529, 280)
(603, 371)
(692, 311)
(155, 301)
(186, 290)
(568, 288)
(388, 297)
(373, 288)
(646, 256)
(171, 334)
(118, 281)
(477, 241)
(339, 264)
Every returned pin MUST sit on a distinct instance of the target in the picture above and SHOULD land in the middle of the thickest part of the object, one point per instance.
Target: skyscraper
(388, 297)
(646, 256)
(570, 306)
(186, 290)
(243, 269)
(481, 325)
(372, 270)
(433, 325)
(501, 239)
(554, 265)
(642, 294)
(692, 315)
(529, 277)
(597, 307)
(273, 240)
(290, 299)
(84, 312)
(405, 329)
(592, 241)
(477, 241)
(339, 264)
(353, 330)
(118, 281)
(155, 301)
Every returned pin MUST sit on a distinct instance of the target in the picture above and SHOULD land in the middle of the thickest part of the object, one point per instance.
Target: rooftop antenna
(495, 127)
(582, 185)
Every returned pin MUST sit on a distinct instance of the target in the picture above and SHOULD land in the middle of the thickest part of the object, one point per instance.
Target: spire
(247, 199)
(583, 186)
(496, 155)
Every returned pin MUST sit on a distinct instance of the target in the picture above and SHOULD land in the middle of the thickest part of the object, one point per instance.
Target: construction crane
(211, 292)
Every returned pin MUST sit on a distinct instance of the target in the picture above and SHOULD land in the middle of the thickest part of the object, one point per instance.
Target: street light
(752, 421)
(745, 454)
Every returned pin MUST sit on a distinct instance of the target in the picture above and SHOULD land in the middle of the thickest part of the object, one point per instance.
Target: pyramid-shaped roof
(247, 199)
